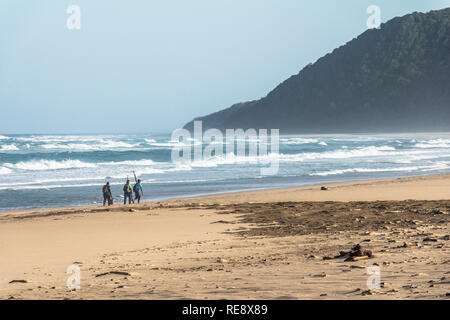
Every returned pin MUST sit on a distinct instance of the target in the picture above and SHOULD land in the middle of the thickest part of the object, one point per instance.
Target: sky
(147, 66)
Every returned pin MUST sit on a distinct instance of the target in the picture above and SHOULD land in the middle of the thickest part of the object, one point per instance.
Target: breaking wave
(101, 145)
(40, 165)
(4, 170)
(9, 147)
(437, 143)
(298, 140)
(440, 166)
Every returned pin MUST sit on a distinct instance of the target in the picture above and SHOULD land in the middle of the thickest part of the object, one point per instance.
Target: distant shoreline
(231, 196)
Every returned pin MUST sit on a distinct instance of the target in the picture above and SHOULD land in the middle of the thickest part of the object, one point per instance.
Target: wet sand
(271, 244)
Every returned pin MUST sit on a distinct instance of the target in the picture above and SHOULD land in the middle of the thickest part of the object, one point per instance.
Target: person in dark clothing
(107, 195)
(138, 191)
(127, 193)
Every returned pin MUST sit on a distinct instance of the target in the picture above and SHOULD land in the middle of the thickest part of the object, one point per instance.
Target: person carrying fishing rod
(137, 188)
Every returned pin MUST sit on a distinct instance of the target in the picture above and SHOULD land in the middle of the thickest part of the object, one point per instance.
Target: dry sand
(271, 244)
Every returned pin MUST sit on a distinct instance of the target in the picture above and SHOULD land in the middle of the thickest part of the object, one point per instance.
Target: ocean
(43, 171)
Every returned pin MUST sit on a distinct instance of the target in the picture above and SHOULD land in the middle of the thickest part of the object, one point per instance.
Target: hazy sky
(151, 66)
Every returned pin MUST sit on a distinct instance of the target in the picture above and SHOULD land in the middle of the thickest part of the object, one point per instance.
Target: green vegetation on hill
(392, 79)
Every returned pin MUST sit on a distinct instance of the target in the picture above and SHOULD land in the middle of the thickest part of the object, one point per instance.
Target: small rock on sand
(356, 267)
(366, 293)
(320, 275)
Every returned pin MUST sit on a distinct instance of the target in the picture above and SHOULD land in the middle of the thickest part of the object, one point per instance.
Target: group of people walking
(128, 191)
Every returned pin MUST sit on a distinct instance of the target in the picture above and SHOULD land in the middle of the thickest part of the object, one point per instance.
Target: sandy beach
(272, 244)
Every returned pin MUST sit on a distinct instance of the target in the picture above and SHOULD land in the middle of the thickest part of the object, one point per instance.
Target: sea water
(38, 171)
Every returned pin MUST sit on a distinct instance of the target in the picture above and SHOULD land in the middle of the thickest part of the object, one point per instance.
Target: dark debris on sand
(299, 218)
(355, 254)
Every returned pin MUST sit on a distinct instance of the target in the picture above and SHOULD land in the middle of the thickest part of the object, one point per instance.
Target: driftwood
(113, 272)
(357, 258)
(356, 254)
(18, 281)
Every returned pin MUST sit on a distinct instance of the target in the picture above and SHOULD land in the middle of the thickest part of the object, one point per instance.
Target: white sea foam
(62, 139)
(3, 137)
(231, 158)
(39, 165)
(339, 154)
(146, 162)
(361, 152)
(298, 140)
(171, 144)
(99, 145)
(438, 166)
(110, 144)
(4, 170)
(9, 147)
(403, 161)
(436, 143)
(71, 146)
(81, 143)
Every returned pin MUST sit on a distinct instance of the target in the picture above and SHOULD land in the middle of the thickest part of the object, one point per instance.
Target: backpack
(125, 188)
(136, 188)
